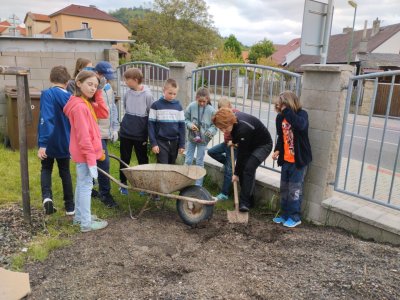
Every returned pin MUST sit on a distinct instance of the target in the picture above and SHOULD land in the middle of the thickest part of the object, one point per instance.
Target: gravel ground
(158, 257)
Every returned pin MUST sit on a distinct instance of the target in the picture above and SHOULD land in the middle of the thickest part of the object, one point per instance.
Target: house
(377, 43)
(36, 24)
(285, 54)
(6, 29)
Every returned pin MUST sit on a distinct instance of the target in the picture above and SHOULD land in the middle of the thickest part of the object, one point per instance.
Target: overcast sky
(249, 20)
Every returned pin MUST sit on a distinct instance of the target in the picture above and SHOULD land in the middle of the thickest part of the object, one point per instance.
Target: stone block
(28, 62)
(336, 219)
(40, 74)
(88, 55)
(389, 222)
(313, 212)
(367, 214)
(320, 100)
(389, 237)
(8, 61)
(313, 193)
(50, 62)
(317, 175)
(322, 120)
(369, 232)
(64, 55)
(320, 139)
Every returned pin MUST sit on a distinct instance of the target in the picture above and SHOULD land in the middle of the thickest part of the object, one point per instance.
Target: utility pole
(14, 20)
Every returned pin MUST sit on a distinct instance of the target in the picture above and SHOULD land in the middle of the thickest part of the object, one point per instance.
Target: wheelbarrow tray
(163, 178)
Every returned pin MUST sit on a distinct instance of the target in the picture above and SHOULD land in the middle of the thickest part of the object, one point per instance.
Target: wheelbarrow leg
(144, 208)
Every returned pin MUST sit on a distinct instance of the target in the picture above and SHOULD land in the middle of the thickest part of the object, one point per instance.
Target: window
(29, 30)
(56, 26)
(85, 25)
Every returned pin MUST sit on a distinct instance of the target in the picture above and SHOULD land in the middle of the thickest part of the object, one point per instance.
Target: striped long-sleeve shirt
(167, 122)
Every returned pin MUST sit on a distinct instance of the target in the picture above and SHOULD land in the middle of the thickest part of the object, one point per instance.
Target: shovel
(235, 216)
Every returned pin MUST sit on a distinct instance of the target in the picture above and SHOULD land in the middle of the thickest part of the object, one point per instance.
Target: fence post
(323, 96)
(182, 73)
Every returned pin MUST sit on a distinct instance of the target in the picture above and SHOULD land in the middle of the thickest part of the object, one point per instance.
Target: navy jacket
(299, 125)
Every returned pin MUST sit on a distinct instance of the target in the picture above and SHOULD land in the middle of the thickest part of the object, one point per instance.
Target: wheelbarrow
(194, 203)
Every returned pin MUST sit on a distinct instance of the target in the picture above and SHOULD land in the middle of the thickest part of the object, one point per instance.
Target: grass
(58, 227)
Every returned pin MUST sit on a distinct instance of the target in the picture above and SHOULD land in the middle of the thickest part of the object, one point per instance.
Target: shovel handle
(235, 187)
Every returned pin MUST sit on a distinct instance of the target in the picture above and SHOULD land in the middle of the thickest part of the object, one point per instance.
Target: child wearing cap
(108, 129)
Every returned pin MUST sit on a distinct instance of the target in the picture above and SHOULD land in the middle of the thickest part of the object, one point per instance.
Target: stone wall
(40, 55)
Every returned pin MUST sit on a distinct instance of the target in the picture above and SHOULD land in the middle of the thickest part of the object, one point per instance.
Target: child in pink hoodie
(85, 146)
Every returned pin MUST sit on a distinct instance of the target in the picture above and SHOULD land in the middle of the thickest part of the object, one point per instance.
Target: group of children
(78, 117)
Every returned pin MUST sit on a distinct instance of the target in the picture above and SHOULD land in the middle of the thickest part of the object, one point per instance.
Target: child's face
(89, 86)
(202, 101)
(227, 129)
(132, 83)
(170, 93)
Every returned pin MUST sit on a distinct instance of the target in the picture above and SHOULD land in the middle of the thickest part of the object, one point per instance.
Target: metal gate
(250, 88)
(368, 163)
(154, 76)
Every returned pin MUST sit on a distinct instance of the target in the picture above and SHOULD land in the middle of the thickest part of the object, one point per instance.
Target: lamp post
(353, 4)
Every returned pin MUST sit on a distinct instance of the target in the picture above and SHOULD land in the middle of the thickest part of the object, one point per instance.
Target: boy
(108, 129)
(167, 125)
(222, 154)
(53, 140)
(134, 127)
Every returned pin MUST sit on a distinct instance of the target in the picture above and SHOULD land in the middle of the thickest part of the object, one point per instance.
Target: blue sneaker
(222, 197)
(290, 223)
(123, 191)
(142, 194)
(279, 220)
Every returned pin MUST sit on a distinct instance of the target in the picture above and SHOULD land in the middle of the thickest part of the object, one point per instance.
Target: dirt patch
(158, 257)
(15, 234)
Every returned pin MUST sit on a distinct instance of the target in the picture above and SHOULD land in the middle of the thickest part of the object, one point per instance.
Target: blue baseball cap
(106, 69)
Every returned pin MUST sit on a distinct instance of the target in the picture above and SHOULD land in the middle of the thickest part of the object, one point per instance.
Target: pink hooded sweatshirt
(85, 145)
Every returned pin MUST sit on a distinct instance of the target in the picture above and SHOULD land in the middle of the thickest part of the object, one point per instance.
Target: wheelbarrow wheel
(192, 213)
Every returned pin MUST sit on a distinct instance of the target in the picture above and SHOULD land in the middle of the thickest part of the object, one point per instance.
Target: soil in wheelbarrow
(158, 257)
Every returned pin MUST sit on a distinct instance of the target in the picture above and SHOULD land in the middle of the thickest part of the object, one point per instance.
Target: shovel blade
(236, 216)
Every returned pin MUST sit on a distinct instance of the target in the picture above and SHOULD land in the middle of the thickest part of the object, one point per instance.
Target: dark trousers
(168, 152)
(103, 180)
(65, 175)
(126, 147)
(292, 180)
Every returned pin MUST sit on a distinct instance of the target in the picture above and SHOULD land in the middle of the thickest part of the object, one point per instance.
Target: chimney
(375, 27)
(92, 6)
(347, 30)
(364, 40)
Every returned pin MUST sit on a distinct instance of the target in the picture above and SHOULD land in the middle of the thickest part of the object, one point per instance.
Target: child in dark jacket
(293, 152)
(53, 140)
(167, 125)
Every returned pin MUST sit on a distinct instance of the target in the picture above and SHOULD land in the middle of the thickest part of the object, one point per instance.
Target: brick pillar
(182, 73)
(323, 96)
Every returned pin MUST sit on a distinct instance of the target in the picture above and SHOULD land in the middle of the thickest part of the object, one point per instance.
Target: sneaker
(108, 201)
(222, 197)
(76, 222)
(70, 208)
(279, 220)
(143, 194)
(243, 208)
(70, 212)
(123, 191)
(95, 194)
(290, 223)
(155, 197)
(48, 206)
(95, 225)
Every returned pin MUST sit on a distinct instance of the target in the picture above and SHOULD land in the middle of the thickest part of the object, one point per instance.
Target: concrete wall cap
(326, 68)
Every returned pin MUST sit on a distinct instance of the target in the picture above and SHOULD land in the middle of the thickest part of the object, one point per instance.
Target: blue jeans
(83, 190)
(222, 154)
(201, 150)
(104, 181)
(292, 180)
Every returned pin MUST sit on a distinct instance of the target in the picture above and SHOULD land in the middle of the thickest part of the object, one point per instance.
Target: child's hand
(194, 128)
(93, 172)
(155, 149)
(208, 134)
(235, 178)
(181, 150)
(42, 153)
(102, 83)
(114, 136)
(275, 155)
(103, 157)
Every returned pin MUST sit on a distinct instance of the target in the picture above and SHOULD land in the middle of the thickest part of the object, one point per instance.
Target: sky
(250, 21)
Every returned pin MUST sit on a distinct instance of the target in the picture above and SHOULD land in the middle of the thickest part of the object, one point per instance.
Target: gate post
(323, 96)
(182, 73)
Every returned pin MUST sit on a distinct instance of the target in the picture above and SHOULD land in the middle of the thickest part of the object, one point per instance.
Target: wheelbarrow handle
(120, 160)
(112, 178)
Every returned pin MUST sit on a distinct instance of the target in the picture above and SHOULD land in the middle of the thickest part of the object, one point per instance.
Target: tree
(143, 52)
(181, 25)
(126, 14)
(261, 49)
(218, 56)
(231, 43)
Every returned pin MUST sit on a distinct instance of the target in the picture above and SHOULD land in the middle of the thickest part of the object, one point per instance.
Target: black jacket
(252, 138)
(299, 125)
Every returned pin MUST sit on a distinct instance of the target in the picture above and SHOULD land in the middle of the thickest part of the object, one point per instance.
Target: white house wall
(391, 46)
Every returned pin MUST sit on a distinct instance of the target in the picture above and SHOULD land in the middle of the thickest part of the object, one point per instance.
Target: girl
(293, 152)
(85, 145)
(81, 64)
(254, 144)
(198, 117)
